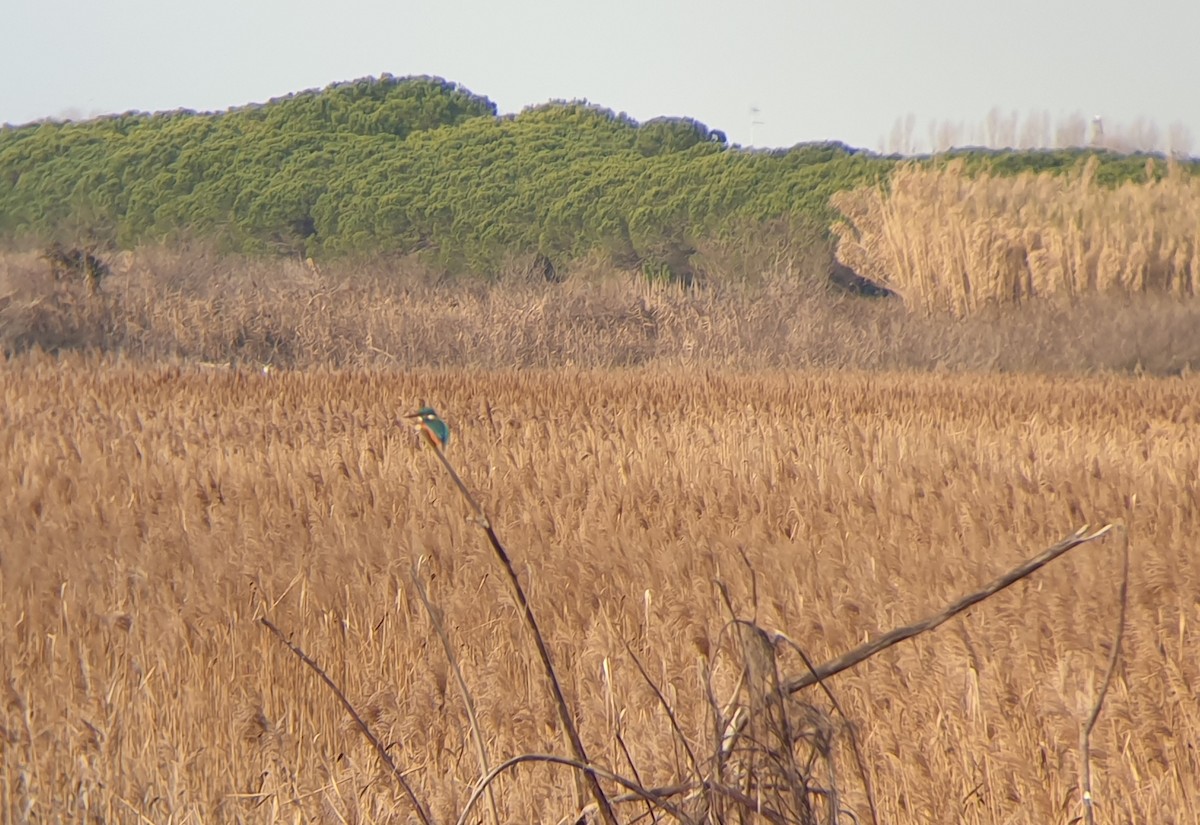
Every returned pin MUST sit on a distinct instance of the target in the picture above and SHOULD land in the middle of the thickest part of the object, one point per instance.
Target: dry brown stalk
(855, 748)
(560, 701)
(435, 620)
(893, 637)
(693, 764)
(1114, 656)
(355, 715)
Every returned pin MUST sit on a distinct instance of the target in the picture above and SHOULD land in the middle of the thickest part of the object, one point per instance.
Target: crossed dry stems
(765, 723)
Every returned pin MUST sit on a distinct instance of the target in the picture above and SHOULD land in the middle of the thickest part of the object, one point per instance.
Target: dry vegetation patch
(753, 311)
(154, 513)
(949, 241)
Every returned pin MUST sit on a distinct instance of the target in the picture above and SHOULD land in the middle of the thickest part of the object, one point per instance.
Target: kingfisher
(433, 426)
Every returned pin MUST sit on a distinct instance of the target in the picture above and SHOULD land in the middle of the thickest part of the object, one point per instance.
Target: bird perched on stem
(435, 429)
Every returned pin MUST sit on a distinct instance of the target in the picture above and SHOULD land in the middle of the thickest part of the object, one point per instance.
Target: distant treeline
(402, 165)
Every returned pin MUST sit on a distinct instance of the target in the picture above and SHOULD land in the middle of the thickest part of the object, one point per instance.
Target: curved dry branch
(656, 797)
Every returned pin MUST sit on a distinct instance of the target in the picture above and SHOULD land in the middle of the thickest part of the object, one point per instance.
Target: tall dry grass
(949, 241)
(153, 514)
(768, 307)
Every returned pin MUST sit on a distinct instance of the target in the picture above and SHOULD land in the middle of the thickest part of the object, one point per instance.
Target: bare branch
(863, 652)
(354, 714)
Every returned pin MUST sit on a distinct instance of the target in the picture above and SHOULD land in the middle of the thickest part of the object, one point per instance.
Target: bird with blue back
(430, 423)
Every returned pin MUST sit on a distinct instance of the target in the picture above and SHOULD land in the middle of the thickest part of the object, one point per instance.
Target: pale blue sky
(823, 70)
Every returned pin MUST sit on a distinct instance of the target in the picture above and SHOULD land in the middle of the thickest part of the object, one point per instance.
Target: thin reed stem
(560, 701)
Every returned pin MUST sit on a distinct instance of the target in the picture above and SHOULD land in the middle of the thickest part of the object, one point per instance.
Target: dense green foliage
(420, 164)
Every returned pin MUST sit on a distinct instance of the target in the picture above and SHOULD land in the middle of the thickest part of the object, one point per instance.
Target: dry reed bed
(948, 241)
(152, 514)
(162, 304)
(193, 306)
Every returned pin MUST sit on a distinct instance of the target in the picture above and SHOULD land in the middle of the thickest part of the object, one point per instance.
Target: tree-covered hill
(421, 164)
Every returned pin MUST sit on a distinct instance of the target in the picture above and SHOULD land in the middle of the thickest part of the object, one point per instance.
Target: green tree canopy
(421, 164)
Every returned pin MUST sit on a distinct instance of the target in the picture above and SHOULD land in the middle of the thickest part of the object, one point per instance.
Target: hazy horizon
(773, 73)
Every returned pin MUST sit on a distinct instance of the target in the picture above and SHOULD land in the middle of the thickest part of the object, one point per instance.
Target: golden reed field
(154, 514)
(950, 241)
